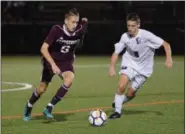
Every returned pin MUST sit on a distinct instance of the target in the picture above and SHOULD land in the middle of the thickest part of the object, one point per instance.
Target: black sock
(35, 96)
(52, 103)
(62, 91)
(58, 96)
(28, 111)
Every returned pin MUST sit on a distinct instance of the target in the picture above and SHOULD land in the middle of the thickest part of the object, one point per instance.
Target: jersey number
(65, 49)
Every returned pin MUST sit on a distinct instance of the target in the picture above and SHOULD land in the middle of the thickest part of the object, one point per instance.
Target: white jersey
(140, 51)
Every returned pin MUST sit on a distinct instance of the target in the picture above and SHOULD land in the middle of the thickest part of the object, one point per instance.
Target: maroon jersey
(62, 44)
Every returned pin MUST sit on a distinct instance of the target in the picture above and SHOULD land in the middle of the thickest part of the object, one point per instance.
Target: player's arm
(83, 31)
(157, 42)
(113, 60)
(45, 49)
(118, 49)
(46, 54)
(168, 52)
(84, 24)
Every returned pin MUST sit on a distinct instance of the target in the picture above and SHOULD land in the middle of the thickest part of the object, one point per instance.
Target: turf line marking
(26, 86)
(105, 107)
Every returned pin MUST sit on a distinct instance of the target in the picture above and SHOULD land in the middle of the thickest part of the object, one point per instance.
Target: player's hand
(55, 69)
(112, 71)
(84, 19)
(169, 63)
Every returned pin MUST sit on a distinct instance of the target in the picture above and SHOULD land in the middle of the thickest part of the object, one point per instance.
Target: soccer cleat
(26, 118)
(27, 113)
(115, 115)
(48, 114)
(113, 105)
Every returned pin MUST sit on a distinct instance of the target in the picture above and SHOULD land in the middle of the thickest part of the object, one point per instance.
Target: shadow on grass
(57, 118)
(64, 117)
(132, 112)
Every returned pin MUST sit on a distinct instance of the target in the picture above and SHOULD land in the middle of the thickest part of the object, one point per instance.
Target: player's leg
(45, 79)
(68, 77)
(127, 74)
(136, 84)
(118, 100)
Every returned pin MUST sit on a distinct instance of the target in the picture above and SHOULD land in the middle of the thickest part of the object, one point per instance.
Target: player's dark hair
(133, 17)
(72, 12)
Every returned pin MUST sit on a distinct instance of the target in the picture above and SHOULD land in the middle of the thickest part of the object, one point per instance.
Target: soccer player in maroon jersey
(58, 56)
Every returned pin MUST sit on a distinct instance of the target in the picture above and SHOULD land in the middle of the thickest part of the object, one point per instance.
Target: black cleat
(113, 105)
(115, 115)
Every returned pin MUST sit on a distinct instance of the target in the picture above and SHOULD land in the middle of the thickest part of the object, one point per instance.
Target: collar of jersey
(66, 31)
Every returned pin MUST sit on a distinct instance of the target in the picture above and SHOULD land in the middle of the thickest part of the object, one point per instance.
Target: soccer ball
(97, 117)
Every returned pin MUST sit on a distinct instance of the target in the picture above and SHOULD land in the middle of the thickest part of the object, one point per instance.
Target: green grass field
(157, 109)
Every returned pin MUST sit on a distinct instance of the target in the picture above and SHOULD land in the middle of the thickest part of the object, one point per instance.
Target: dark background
(25, 24)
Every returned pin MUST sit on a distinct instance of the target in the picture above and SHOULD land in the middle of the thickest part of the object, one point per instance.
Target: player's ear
(65, 21)
(138, 24)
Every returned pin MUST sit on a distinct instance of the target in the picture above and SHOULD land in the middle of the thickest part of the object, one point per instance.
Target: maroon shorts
(47, 73)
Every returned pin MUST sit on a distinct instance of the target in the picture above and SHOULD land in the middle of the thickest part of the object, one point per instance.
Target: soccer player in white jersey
(137, 61)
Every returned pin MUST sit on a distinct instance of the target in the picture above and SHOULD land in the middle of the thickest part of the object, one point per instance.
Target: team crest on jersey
(138, 40)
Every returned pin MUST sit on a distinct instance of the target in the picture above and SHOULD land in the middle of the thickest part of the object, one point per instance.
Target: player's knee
(42, 88)
(121, 88)
(68, 79)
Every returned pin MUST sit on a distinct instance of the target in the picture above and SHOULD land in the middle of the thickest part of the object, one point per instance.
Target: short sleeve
(120, 45)
(155, 41)
(51, 36)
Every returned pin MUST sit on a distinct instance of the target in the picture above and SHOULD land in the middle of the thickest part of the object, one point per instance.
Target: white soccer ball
(97, 117)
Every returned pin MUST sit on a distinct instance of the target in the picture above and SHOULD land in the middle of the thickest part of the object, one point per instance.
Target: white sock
(29, 104)
(125, 99)
(118, 103)
(51, 105)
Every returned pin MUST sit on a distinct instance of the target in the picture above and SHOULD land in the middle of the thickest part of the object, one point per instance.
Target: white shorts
(137, 80)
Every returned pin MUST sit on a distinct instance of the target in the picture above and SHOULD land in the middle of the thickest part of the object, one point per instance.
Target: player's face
(132, 27)
(72, 22)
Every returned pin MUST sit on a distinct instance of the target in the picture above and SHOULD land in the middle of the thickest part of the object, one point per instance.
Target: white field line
(24, 86)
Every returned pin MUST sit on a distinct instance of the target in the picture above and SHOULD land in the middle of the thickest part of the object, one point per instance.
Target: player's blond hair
(72, 12)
